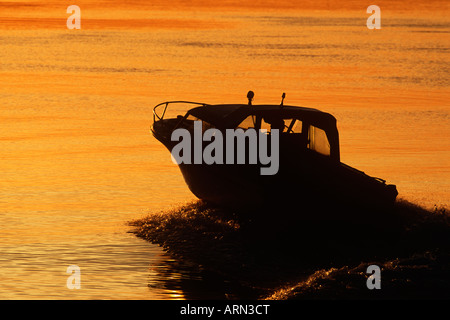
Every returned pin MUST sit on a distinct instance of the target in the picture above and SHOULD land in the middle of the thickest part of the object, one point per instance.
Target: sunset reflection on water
(78, 160)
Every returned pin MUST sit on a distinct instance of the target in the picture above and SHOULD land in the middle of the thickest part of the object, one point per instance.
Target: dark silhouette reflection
(226, 254)
(185, 280)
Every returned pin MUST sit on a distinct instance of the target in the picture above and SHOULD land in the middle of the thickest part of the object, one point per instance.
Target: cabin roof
(229, 115)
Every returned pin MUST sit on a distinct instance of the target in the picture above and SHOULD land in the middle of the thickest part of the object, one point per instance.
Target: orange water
(77, 159)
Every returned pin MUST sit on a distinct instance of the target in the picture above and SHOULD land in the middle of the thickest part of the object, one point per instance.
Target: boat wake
(285, 258)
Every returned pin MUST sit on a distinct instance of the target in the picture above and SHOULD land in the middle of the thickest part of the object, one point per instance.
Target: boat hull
(304, 178)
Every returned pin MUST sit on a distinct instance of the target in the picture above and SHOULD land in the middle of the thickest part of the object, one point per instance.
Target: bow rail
(157, 117)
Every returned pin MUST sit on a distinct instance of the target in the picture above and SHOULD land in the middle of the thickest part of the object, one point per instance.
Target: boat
(309, 170)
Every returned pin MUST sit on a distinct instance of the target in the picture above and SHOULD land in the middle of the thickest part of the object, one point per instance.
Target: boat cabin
(306, 128)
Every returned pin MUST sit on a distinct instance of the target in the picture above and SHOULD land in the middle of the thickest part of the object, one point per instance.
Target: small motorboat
(309, 171)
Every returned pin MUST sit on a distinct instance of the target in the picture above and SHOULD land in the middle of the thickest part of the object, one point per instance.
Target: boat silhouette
(309, 173)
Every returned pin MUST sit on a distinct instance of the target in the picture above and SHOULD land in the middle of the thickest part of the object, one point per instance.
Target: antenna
(282, 98)
(250, 96)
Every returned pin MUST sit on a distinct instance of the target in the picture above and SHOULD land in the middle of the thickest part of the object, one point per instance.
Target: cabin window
(190, 117)
(318, 141)
(188, 123)
(248, 123)
(265, 125)
(252, 122)
(293, 125)
(274, 123)
(206, 126)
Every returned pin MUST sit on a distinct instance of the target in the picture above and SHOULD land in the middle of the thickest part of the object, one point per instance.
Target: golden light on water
(78, 160)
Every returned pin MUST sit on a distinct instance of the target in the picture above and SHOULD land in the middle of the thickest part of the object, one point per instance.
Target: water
(77, 159)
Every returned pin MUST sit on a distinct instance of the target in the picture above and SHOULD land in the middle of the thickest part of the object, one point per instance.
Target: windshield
(318, 141)
(290, 125)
